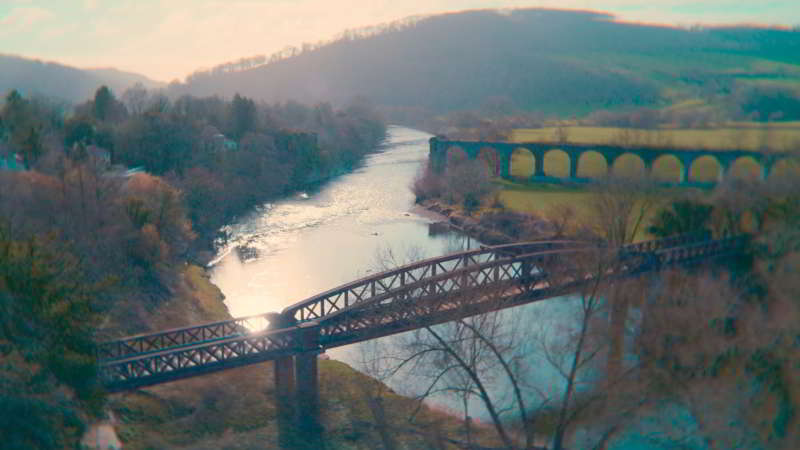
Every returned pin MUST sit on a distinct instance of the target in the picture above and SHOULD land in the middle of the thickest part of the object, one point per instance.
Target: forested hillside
(556, 62)
(90, 249)
(34, 77)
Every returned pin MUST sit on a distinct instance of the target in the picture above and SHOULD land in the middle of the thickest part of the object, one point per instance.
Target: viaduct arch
(686, 158)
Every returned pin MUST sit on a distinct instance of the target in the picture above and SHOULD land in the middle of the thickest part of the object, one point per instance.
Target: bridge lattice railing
(496, 284)
(347, 295)
(376, 286)
(179, 337)
(315, 307)
(502, 281)
(156, 367)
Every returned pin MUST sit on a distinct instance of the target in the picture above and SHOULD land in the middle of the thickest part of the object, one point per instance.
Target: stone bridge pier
(297, 386)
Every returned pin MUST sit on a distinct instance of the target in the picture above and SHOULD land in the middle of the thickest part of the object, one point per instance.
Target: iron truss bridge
(417, 295)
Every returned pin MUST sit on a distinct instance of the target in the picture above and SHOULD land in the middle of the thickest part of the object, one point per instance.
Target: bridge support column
(285, 395)
(505, 165)
(648, 167)
(573, 166)
(284, 384)
(684, 177)
(723, 170)
(286, 392)
(538, 164)
(307, 387)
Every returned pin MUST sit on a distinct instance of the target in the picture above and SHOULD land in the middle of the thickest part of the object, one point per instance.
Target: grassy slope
(541, 200)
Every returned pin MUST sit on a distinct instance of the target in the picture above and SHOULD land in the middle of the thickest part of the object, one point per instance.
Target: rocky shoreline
(449, 218)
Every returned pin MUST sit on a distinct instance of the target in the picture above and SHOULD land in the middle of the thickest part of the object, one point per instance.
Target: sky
(168, 39)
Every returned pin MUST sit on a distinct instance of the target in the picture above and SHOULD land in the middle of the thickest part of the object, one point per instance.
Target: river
(289, 250)
(314, 241)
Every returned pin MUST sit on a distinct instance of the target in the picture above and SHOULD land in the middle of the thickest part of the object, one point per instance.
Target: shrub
(426, 185)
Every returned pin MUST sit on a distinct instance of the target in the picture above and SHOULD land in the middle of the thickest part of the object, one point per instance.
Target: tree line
(89, 248)
(224, 156)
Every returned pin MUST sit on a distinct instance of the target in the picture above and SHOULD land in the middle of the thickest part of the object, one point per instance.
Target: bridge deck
(413, 296)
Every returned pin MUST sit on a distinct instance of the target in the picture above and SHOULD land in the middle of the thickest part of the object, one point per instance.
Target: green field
(540, 199)
(784, 136)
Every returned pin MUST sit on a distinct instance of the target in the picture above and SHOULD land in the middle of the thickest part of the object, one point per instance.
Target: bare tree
(562, 217)
(467, 182)
(136, 99)
(475, 358)
(619, 208)
(467, 359)
(485, 361)
(577, 346)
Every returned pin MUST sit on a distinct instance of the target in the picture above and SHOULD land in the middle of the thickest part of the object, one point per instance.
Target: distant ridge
(31, 77)
(562, 62)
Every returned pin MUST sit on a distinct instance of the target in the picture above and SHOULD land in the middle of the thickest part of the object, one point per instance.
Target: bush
(426, 185)
(681, 217)
(467, 183)
(517, 226)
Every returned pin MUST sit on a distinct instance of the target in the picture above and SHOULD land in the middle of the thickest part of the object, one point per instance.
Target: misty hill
(31, 77)
(552, 61)
(124, 79)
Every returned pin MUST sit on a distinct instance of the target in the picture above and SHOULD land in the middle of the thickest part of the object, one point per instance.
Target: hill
(557, 62)
(71, 84)
(122, 80)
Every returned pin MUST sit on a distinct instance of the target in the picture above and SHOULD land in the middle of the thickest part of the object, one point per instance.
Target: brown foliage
(427, 184)
(619, 207)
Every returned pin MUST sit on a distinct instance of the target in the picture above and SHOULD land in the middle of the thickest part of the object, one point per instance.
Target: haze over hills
(558, 62)
(31, 76)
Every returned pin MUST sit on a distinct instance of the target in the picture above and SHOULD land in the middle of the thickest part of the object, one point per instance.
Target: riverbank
(490, 226)
(454, 218)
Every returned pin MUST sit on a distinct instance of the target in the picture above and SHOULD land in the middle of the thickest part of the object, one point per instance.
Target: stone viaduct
(500, 154)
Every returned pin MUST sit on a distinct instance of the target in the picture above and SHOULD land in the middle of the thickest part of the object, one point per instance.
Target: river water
(287, 251)
(292, 249)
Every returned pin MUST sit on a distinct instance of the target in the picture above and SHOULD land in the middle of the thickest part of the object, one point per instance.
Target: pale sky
(168, 39)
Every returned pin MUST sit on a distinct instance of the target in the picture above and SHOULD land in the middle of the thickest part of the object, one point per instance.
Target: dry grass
(745, 136)
(543, 200)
